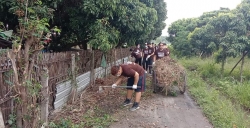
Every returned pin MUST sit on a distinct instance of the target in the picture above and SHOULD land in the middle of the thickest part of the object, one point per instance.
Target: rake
(101, 87)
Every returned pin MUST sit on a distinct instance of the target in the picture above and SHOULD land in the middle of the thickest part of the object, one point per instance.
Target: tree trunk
(223, 66)
(24, 106)
(19, 115)
(241, 68)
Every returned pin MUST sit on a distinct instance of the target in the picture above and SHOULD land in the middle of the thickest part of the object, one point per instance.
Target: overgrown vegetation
(224, 100)
(92, 118)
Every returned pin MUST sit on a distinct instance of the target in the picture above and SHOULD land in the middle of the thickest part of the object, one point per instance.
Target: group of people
(147, 56)
(136, 71)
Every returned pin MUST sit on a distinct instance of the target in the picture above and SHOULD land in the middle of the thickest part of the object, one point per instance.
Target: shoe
(146, 72)
(135, 106)
(127, 102)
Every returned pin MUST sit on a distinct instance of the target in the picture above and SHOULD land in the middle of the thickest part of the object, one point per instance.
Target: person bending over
(136, 80)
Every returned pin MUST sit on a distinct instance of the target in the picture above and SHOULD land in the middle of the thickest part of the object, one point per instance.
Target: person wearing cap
(150, 56)
(136, 80)
(161, 52)
(137, 54)
(144, 61)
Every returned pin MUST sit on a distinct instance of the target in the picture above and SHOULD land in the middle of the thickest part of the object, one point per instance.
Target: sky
(179, 9)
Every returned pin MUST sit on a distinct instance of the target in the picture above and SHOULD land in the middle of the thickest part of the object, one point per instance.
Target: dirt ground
(164, 112)
(156, 110)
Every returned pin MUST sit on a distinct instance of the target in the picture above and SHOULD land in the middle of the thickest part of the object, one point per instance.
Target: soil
(156, 110)
(164, 112)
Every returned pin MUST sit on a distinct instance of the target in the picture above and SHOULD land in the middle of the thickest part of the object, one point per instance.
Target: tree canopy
(223, 32)
(103, 24)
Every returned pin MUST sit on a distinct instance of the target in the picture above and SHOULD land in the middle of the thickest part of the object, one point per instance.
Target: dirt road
(163, 112)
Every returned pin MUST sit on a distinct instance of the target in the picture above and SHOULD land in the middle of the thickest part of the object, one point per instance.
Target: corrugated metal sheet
(64, 89)
(83, 81)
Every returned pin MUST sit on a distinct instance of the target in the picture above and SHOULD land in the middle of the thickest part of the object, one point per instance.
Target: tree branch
(238, 62)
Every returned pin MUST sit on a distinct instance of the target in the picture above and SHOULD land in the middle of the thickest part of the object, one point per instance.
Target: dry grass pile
(168, 73)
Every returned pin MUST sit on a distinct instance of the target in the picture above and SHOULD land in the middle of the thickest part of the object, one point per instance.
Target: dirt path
(163, 112)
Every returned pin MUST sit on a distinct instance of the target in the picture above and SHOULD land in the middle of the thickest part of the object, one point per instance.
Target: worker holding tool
(136, 79)
(137, 54)
(150, 56)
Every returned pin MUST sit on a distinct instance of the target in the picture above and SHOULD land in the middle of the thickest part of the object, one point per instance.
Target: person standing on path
(161, 52)
(137, 54)
(150, 57)
(136, 80)
(144, 61)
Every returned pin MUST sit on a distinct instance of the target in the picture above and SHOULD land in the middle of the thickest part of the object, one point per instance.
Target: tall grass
(229, 84)
(220, 95)
(219, 110)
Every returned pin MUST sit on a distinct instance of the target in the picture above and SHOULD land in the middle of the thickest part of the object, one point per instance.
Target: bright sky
(178, 9)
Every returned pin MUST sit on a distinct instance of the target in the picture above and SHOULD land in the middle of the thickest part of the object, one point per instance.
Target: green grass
(221, 98)
(234, 90)
(221, 112)
(229, 84)
(93, 118)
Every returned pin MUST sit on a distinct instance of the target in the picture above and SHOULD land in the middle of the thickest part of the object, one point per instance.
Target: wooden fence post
(115, 58)
(73, 79)
(45, 94)
(1, 119)
(73, 69)
(105, 68)
(92, 70)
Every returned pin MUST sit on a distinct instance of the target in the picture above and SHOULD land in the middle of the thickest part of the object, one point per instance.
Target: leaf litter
(91, 103)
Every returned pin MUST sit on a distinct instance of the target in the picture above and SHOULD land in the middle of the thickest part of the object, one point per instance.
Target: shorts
(141, 83)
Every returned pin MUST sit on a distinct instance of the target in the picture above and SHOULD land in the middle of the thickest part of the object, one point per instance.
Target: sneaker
(146, 72)
(135, 106)
(127, 102)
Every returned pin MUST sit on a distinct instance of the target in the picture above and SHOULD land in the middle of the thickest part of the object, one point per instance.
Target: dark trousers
(138, 61)
(150, 62)
(145, 64)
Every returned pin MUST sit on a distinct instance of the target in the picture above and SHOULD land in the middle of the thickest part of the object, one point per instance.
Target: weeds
(92, 118)
(221, 98)
(219, 110)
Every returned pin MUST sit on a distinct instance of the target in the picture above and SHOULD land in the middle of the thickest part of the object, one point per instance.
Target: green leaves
(102, 36)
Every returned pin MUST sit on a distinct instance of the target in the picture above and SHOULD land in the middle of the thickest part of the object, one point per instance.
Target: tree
(123, 20)
(203, 41)
(33, 17)
(179, 31)
(229, 29)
